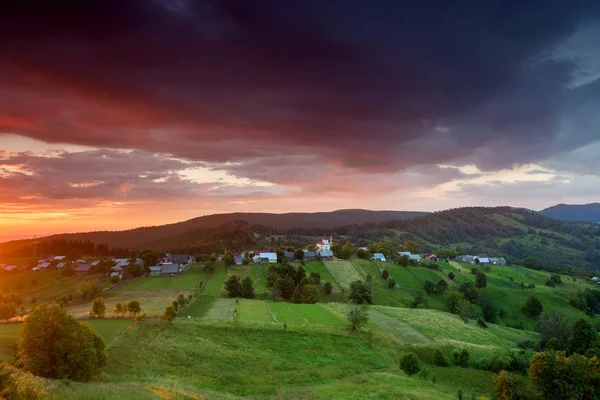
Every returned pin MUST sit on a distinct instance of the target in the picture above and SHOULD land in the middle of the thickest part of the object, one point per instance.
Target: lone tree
(328, 288)
(170, 314)
(247, 289)
(55, 345)
(360, 292)
(409, 363)
(385, 274)
(228, 259)
(451, 275)
(233, 286)
(181, 300)
(358, 317)
(120, 310)
(98, 308)
(134, 307)
(532, 307)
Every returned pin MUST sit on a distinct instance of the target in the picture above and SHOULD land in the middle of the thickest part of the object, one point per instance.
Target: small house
(268, 258)
(432, 257)
(500, 261)
(83, 269)
(61, 265)
(483, 260)
(10, 268)
(378, 257)
(309, 255)
(44, 266)
(238, 258)
(155, 270)
(169, 270)
(326, 255)
(291, 255)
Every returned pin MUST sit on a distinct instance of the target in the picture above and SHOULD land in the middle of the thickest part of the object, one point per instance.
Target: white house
(378, 257)
(324, 245)
(268, 258)
(411, 256)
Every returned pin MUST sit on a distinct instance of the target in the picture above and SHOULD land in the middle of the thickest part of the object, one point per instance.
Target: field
(404, 277)
(214, 284)
(318, 267)
(152, 302)
(253, 310)
(222, 310)
(343, 272)
(190, 279)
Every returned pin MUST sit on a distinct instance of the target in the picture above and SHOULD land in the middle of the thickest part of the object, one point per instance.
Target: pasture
(222, 310)
(318, 267)
(152, 302)
(343, 272)
(253, 310)
(190, 279)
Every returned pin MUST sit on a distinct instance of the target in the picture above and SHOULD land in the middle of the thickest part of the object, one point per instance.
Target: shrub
(409, 363)
(181, 300)
(98, 308)
(451, 275)
(508, 386)
(328, 288)
(233, 286)
(247, 288)
(532, 307)
(170, 314)
(482, 364)
(120, 310)
(583, 337)
(358, 317)
(439, 359)
(385, 274)
(134, 307)
(61, 334)
(391, 283)
(461, 358)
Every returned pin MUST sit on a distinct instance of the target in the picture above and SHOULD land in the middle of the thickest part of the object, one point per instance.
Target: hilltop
(574, 212)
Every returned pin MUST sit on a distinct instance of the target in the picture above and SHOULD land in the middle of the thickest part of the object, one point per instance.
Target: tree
(409, 363)
(120, 310)
(134, 307)
(233, 286)
(508, 386)
(299, 254)
(468, 290)
(583, 337)
(358, 317)
(315, 278)
(411, 246)
(363, 254)
(391, 283)
(98, 308)
(532, 307)
(461, 358)
(556, 326)
(532, 262)
(70, 350)
(467, 310)
(452, 302)
(480, 280)
(169, 315)
(360, 292)
(563, 378)
(439, 359)
(228, 259)
(385, 274)
(451, 275)
(175, 305)
(328, 288)
(247, 289)
(63, 301)
(181, 299)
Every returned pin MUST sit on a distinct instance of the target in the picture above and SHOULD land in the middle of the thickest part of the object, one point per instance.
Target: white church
(323, 249)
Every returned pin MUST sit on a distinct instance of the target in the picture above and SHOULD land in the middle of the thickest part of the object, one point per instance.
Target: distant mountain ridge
(574, 212)
(143, 236)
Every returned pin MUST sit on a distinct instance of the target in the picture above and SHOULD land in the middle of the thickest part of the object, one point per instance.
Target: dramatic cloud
(344, 99)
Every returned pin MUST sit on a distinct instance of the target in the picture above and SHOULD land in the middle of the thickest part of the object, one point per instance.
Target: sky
(118, 114)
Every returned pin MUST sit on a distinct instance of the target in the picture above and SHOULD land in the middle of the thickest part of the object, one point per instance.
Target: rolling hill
(155, 235)
(574, 212)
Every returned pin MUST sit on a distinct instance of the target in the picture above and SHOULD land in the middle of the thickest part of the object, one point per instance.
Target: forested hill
(165, 235)
(574, 212)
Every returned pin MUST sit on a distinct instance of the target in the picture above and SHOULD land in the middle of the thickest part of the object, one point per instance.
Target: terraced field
(343, 272)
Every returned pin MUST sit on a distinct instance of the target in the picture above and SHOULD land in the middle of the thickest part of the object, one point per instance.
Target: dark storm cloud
(375, 86)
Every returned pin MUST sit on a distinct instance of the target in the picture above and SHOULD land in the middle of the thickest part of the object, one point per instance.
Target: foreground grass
(196, 359)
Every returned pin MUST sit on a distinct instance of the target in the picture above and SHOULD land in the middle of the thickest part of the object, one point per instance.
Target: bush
(247, 288)
(391, 283)
(550, 283)
(134, 307)
(482, 364)
(409, 363)
(439, 359)
(508, 386)
(181, 300)
(532, 307)
(233, 286)
(360, 292)
(451, 275)
(358, 317)
(385, 274)
(461, 358)
(98, 308)
(61, 334)
(170, 314)
(328, 288)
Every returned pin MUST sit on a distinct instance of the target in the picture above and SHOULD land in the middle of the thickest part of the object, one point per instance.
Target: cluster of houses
(322, 251)
(171, 265)
(482, 259)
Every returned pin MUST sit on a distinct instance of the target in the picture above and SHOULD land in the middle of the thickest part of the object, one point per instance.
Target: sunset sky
(117, 114)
